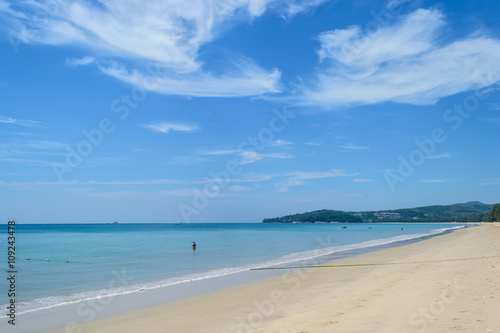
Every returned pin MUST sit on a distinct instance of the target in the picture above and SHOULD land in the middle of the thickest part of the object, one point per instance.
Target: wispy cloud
(252, 178)
(492, 120)
(33, 144)
(362, 180)
(74, 62)
(405, 62)
(352, 146)
(21, 122)
(435, 157)
(303, 175)
(279, 143)
(434, 180)
(295, 7)
(251, 157)
(285, 186)
(28, 152)
(244, 79)
(113, 182)
(165, 35)
(396, 3)
(248, 156)
(248, 178)
(238, 188)
(495, 181)
(168, 127)
(313, 143)
(189, 160)
(26, 161)
(299, 178)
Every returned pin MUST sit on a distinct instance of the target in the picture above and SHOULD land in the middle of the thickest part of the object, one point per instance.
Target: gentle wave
(55, 301)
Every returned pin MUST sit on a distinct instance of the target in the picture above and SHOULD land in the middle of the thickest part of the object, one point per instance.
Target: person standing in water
(194, 246)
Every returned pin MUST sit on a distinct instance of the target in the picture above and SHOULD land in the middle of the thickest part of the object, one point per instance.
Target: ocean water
(74, 262)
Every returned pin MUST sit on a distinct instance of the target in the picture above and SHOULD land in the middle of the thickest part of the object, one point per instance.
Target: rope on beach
(372, 264)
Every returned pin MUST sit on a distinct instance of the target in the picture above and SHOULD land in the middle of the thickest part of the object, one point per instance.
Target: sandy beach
(449, 283)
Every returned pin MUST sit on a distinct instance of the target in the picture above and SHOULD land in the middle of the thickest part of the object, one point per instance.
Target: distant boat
(179, 223)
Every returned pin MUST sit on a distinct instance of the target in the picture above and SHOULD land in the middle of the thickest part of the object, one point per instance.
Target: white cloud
(285, 187)
(111, 182)
(28, 152)
(301, 175)
(279, 143)
(163, 34)
(435, 157)
(362, 180)
(251, 178)
(297, 178)
(22, 122)
(295, 7)
(27, 161)
(353, 195)
(183, 192)
(247, 156)
(406, 62)
(352, 146)
(433, 180)
(313, 143)
(250, 156)
(395, 3)
(167, 127)
(238, 188)
(189, 160)
(73, 62)
(247, 80)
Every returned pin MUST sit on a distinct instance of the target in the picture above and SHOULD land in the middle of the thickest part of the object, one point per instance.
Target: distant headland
(473, 211)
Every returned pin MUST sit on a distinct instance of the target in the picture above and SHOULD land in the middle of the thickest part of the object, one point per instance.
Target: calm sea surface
(74, 262)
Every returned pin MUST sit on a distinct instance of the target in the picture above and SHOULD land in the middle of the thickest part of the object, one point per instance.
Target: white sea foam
(54, 301)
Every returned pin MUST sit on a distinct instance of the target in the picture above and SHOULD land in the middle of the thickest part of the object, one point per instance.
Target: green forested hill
(473, 211)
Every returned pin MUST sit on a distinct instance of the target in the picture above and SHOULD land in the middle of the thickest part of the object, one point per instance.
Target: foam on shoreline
(318, 255)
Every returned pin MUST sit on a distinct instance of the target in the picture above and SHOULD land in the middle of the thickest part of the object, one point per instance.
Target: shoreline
(413, 297)
(100, 312)
(321, 254)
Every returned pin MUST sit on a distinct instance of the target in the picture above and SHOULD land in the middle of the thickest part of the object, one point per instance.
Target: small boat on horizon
(178, 223)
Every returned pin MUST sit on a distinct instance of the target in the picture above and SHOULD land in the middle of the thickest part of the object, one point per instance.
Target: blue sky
(233, 111)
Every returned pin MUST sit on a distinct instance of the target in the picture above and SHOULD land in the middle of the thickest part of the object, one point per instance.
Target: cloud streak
(21, 122)
(405, 62)
(165, 35)
(168, 127)
(352, 146)
(247, 157)
(433, 181)
(436, 157)
(298, 178)
(74, 62)
(303, 175)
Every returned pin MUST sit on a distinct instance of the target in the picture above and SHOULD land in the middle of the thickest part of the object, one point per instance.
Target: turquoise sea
(73, 262)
